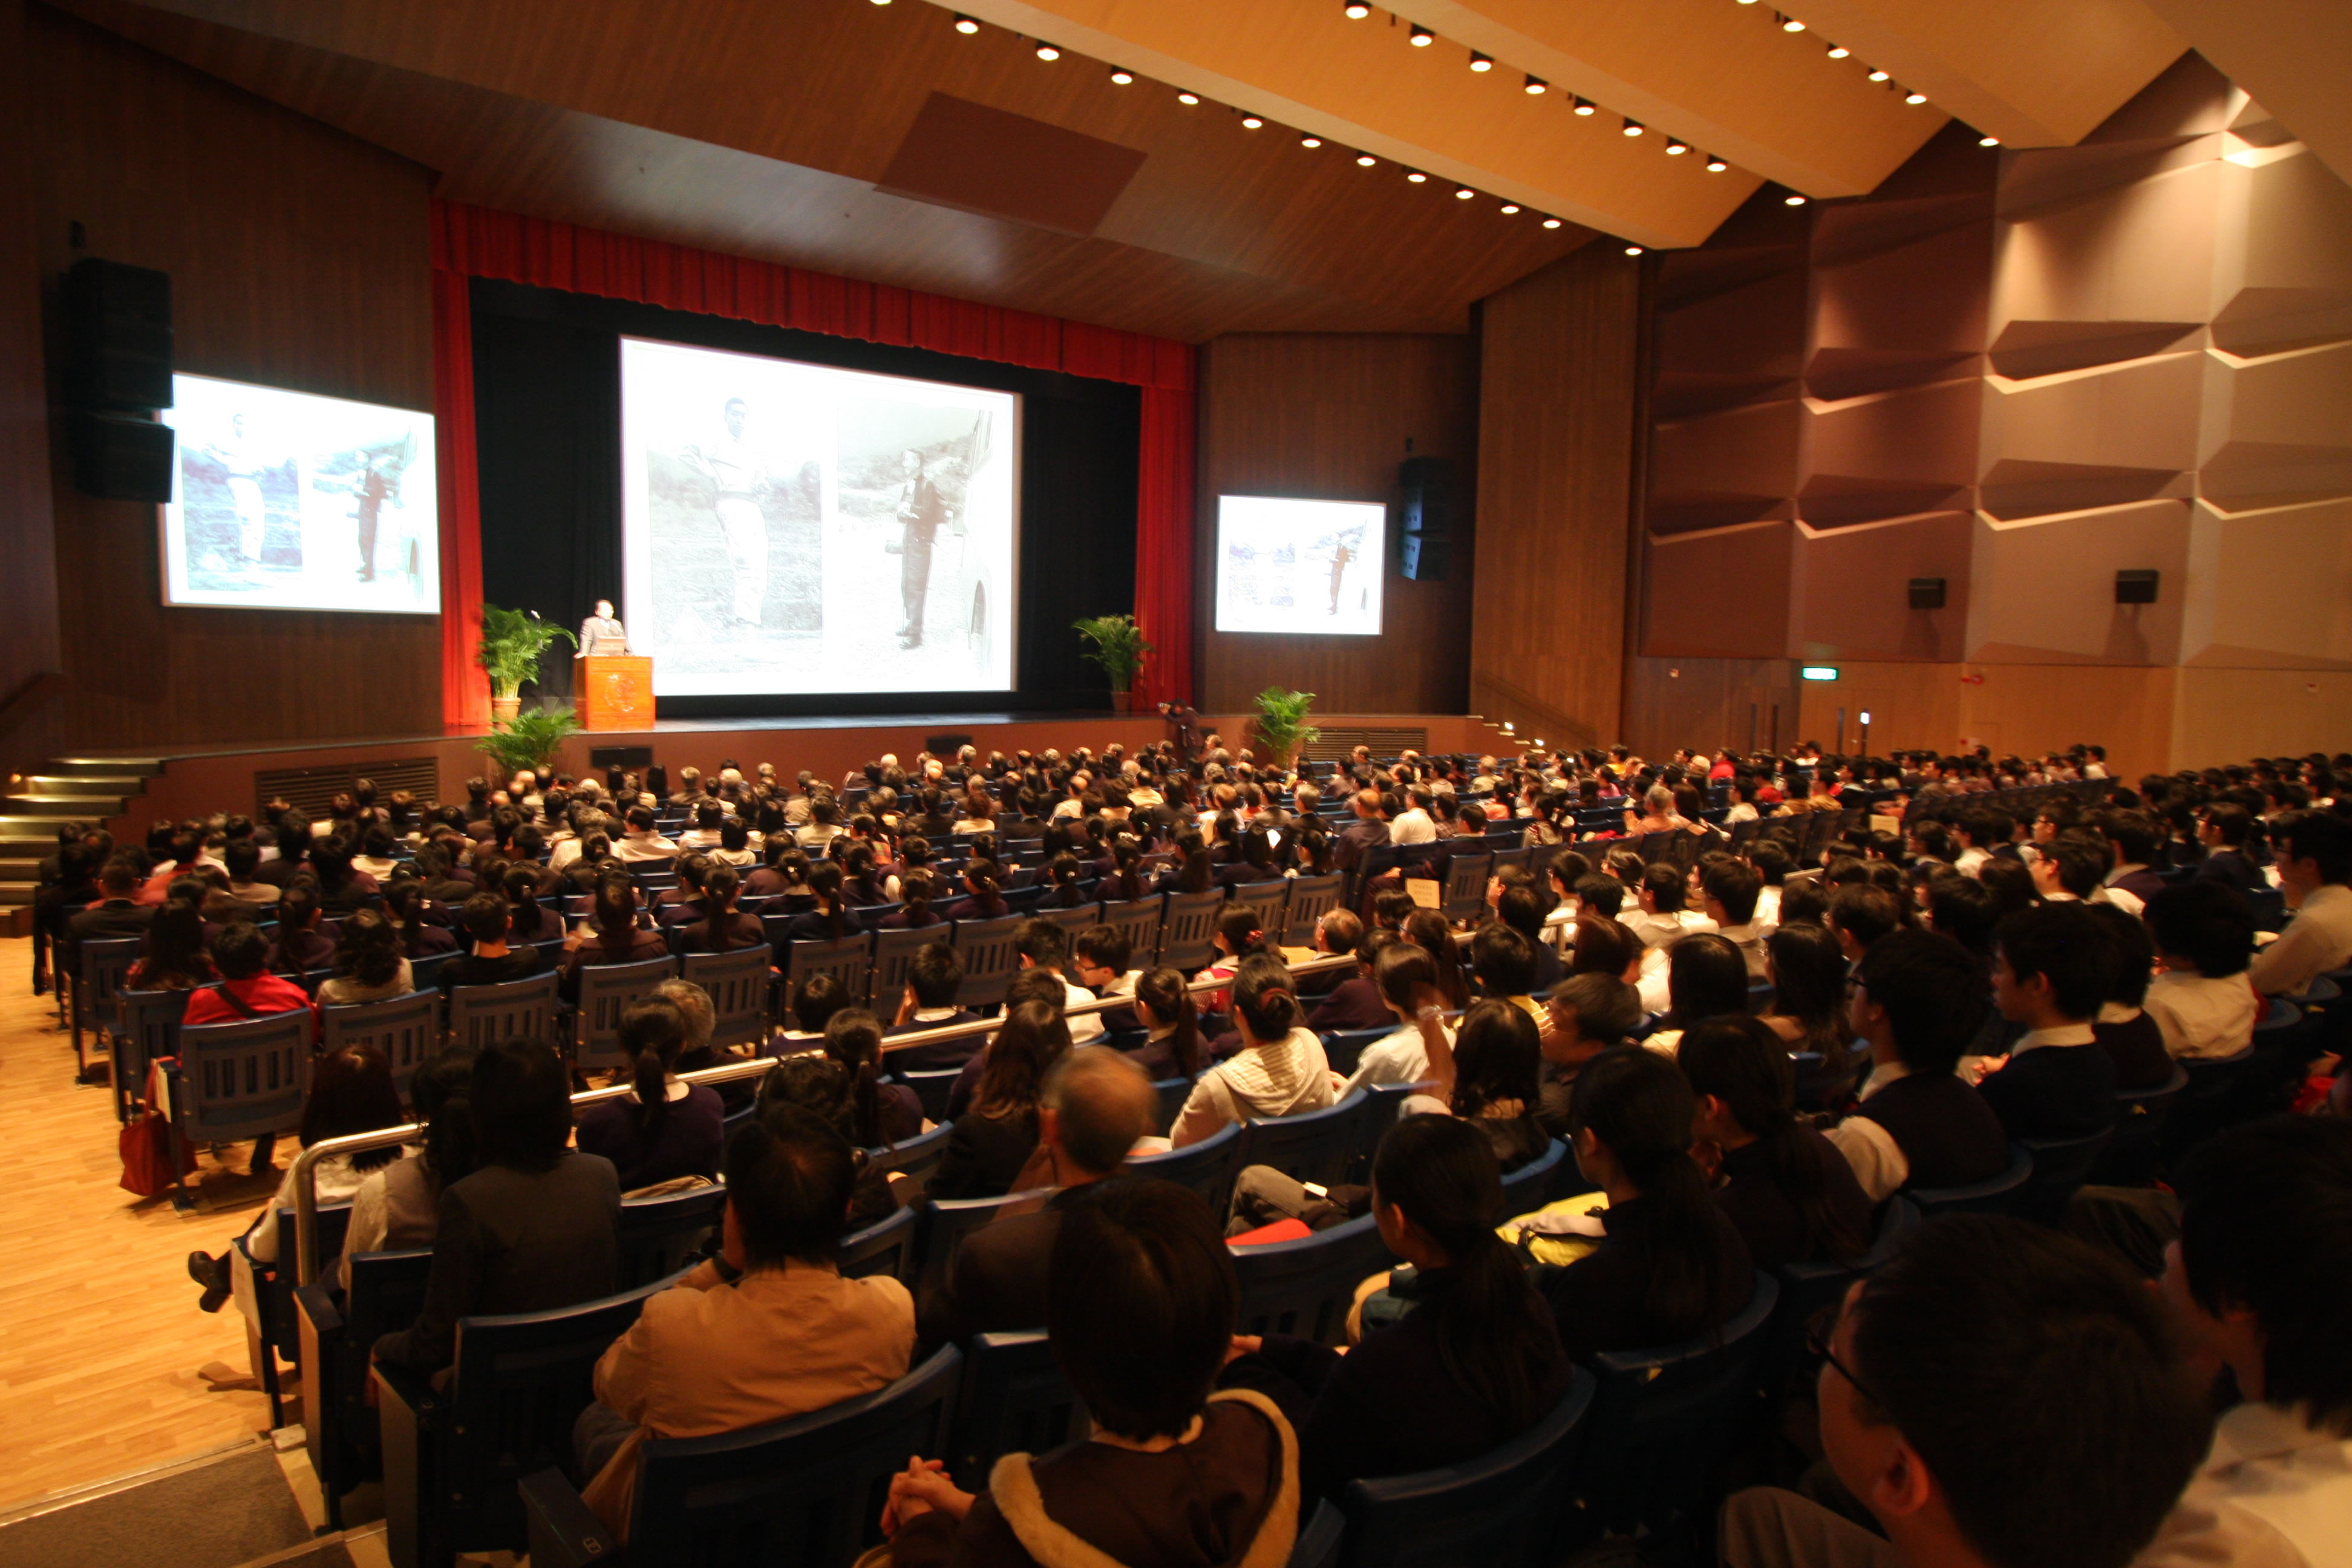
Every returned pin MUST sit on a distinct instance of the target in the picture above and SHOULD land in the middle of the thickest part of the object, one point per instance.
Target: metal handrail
(304, 1171)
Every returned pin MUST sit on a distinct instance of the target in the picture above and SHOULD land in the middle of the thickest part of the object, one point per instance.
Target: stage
(195, 781)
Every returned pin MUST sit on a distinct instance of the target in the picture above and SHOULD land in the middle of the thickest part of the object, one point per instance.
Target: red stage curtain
(476, 242)
(465, 688)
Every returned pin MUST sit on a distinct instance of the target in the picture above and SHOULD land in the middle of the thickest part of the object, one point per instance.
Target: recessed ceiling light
(1510, 207)
(1878, 76)
(1716, 165)
(881, 2)
(1794, 200)
(1048, 52)
(1988, 140)
(1536, 85)
(1188, 98)
(1632, 127)
(1838, 52)
(1310, 143)
(1790, 24)
(1463, 193)
(1416, 176)
(1355, 10)
(1121, 76)
(1551, 223)
(1479, 62)
(1915, 97)
(1365, 159)
(1583, 106)
(1633, 250)
(1251, 122)
(1421, 36)
(1674, 149)
(966, 25)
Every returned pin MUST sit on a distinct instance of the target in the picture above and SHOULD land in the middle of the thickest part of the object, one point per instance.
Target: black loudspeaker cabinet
(118, 458)
(620, 756)
(1426, 557)
(1927, 593)
(1428, 487)
(2135, 587)
(119, 336)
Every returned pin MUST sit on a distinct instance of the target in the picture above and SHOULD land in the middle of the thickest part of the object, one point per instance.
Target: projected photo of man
(906, 472)
(739, 478)
(231, 489)
(921, 510)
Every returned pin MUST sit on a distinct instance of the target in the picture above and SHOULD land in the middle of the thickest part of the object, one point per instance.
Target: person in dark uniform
(921, 510)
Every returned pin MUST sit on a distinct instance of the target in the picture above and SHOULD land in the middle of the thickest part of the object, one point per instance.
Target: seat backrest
(1466, 886)
(406, 1029)
(1528, 1188)
(1998, 1195)
(1311, 898)
(1207, 1167)
(520, 1009)
(884, 1249)
(739, 982)
(1014, 1400)
(606, 990)
(1140, 919)
(893, 951)
(2060, 1167)
(989, 959)
(849, 961)
(1313, 1146)
(147, 1030)
(1502, 858)
(1190, 941)
(915, 1158)
(1344, 1048)
(1306, 1287)
(242, 1079)
(1663, 1419)
(1502, 1507)
(1658, 848)
(658, 1237)
(931, 1088)
(947, 1223)
(805, 1490)
(424, 974)
(1383, 1103)
(1172, 1093)
(1075, 920)
(1266, 900)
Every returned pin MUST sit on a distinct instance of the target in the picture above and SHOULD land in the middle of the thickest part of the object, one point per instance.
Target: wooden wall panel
(1330, 416)
(1555, 436)
(298, 259)
(28, 588)
(1746, 704)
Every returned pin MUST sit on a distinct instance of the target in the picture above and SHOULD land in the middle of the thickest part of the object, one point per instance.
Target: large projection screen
(790, 528)
(1300, 566)
(286, 500)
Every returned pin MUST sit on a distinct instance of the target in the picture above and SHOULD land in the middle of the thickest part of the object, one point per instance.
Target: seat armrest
(563, 1532)
(410, 1390)
(315, 1302)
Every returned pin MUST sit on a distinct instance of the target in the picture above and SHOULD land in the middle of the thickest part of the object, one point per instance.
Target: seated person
(2203, 934)
(1172, 1047)
(917, 889)
(820, 1086)
(2124, 1029)
(813, 1002)
(2256, 1283)
(1663, 917)
(1525, 911)
(1475, 1360)
(1487, 1075)
(1141, 1309)
(989, 1144)
(722, 928)
(397, 1205)
(1584, 1015)
(612, 936)
(934, 975)
(1706, 978)
(1793, 1196)
(533, 1228)
(830, 920)
(1094, 1104)
(2223, 830)
(1919, 999)
(490, 961)
(1503, 962)
(1729, 889)
(2049, 971)
(1098, 960)
(640, 842)
(1404, 972)
(368, 963)
(1280, 1070)
(247, 990)
(1044, 945)
(798, 1337)
(175, 958)
(887, 1112)
(665, 1128)
(1671, 1266)
(303, 941)
(1354, 1002)
(1337, 933)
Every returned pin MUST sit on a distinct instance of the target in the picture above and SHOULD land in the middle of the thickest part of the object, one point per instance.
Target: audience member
(2203, 934)
(396, 1206)
(368, 964)
(2049, 974)
(1172, 1047)
(1918, 1000)
(989, 1144)
(1785, 1187)
(1280, 1070)
(2313, 856)
(488, 960)
(664, 1128)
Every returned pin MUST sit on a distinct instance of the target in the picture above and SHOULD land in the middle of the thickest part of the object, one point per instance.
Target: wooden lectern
(614, 692)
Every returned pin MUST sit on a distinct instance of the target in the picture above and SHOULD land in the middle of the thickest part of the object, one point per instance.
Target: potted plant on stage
(512, 642)
(1282, 726)
(529, 740)
(1119, 648)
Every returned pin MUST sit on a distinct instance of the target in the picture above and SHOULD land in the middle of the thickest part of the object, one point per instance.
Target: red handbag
(146, 1147)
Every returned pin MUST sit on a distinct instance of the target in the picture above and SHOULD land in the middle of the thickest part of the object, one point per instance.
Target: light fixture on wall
(1536, 86)
(1633, 128)
(1878, 76)
(1915, 97)
(1582, 105)
(966, 25)
(1188, 98)
(1310, 142)
(1551, 223)
(1414, 176)
(1633, 250)
(1838, 52)
(1510, 207)
(1790, 24)
(1793, 199)
(1251, 122)
(1716, 165)
(1048, 52)
(1675, 147)
(1481, 63)
(1365, 159)
(1121, 77)
(1988, 140)
(1355, 10)
(1463, 193)
(1420, 38)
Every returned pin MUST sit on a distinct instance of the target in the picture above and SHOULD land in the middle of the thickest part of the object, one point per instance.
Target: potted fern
(1282, 726)
(529, 740)
(1118, 648)
(512, 642)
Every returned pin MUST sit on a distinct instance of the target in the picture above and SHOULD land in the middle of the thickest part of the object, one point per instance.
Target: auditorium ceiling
(931, 147)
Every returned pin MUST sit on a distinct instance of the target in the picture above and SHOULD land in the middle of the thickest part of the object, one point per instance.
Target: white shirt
(1085, 1027)
(1878, 1161)
(1285, 1079)
(1399, 1057)
(648, 845)
(2318, 939)
(2203, 1019)
(1665, 931)
(2273, 1493)
(1412, 826)
(1969, 859)
(1749, 940)
(1743, 811)
(2124, 898)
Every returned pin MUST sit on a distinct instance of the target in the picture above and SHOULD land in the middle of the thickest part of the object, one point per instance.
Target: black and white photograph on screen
(792, 528)
(288, 500)
(1285, 566)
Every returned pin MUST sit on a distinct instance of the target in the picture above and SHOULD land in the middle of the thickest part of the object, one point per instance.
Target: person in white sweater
(1280, 1070)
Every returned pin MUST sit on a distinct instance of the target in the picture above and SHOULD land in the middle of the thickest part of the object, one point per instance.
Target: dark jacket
(996, 1281)
(2137, 1048)
(1597, 1302)
(2054, 1093)
(687, 1143)
(471, 969)
(1948, 1135)
(983, 1154)
(1767, 1218)
(939, 1056)
(1354, 1003)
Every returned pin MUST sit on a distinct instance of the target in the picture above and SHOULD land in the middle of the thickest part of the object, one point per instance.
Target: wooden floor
(100, 1341)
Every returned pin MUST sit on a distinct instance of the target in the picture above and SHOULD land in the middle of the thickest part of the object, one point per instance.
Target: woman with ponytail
(831, 918)
(917, 889)
(1194, 876)
(859, 885)
(1171, 1022)
(1487, 1074)
(1671, 1267)
(1280, 1069)
(1474, 1361)
(404, 906)
(664, 1129)
(533, 921)
(1791, 1194)
(881, 1113)
(1126, 882)
(616, 938)
(1063, 876)
(722, 928)
(982, 879)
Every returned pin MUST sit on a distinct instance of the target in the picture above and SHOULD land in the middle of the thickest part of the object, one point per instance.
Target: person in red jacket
(247, 990)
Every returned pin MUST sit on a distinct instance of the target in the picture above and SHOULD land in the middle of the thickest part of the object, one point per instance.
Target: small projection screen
(1310, 567)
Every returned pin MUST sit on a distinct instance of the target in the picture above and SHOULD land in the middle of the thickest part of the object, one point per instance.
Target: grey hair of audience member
(1102, 1102)
(693, 1002)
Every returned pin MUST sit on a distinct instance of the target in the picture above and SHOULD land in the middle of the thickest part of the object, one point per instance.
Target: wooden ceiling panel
(2293, 56)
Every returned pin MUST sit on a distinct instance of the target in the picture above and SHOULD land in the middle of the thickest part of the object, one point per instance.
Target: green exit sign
(1818, 672)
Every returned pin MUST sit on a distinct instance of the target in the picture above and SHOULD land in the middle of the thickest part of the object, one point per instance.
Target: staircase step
(145, 766)
(19, 827)
(62, 807)
(64, 784)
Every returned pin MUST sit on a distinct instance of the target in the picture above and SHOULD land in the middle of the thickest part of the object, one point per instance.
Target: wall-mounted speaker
(2135, 587)
(1428, 487)
(117, 335)
(1425, 557)
(118, 458)
(1927, 593)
